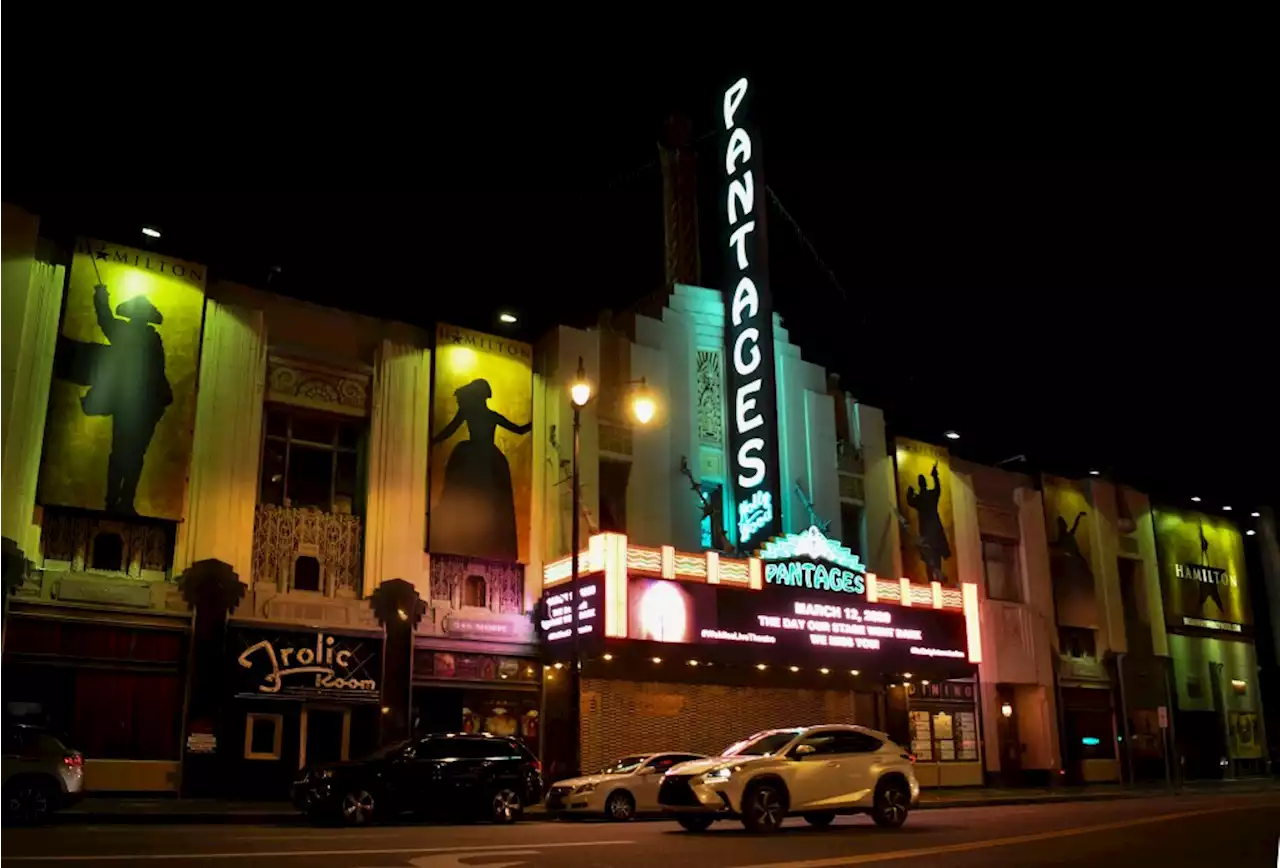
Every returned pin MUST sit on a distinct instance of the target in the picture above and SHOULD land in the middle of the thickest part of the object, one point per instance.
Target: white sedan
(624, 789)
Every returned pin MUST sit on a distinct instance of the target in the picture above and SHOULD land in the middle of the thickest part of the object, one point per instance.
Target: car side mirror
(803, 750)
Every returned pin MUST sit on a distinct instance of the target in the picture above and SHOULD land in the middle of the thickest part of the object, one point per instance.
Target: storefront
(691, 652)
(468, 692)
(943, 722)
(299, 697)
(110, 683)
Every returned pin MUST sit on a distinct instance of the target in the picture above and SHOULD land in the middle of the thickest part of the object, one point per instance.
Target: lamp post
(643, 409)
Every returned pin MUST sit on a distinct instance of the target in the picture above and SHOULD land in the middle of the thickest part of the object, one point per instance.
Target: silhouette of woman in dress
(1069, 564)
(127, 382)
(477, 511)
(932, 540)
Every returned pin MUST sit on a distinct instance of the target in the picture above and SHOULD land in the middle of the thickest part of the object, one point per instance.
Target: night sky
(1106, 315)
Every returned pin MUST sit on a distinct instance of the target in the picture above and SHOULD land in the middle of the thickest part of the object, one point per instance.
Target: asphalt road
(1238, 831)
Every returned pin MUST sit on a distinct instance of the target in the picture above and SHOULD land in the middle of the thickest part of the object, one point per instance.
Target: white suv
(815, 771)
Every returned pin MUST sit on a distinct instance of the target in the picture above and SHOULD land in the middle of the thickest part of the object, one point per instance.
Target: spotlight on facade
(580, 390)
(559, 665)
(151, 231)
(1255, 514)
(906, 675)
(1095, 472)
(508, 318)
(1226, 509)
(1250, 532)
(951, 434)
(1195, 500)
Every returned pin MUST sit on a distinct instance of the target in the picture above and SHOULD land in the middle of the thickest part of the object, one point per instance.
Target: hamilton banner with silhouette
(481, 453)
(118, 436)
(305, 664)
(1202, 571)
(924, 513)
(1068, 514)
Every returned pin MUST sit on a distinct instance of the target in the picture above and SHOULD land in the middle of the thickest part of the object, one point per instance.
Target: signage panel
(306, 665)
(753, 441)
(558, 614)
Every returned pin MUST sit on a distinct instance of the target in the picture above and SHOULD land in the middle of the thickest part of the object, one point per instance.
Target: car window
(476, 748)
(624, 766)
(834, 742)
(662, 763)
(762, 744)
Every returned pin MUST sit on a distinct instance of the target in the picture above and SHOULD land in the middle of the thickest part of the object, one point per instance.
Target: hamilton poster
(1202, 570)
(925, 514)
(118, 435)
(1069, 518)
(481, 449)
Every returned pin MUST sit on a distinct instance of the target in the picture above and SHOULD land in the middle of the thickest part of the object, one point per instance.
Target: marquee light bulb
(762, 666)
(608, 657)
(795, 668)
(824, 670)
(854, 672)
(657, 659)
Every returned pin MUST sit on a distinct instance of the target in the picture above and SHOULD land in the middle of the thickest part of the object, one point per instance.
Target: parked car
(474, 776)
(816, 772)
(619, 792)
(41, 774)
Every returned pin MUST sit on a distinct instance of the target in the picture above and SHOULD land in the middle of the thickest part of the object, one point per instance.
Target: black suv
(477, 776)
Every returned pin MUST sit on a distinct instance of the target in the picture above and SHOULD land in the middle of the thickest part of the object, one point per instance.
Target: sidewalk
(203, 811)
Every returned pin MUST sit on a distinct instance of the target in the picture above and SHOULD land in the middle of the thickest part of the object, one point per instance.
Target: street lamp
(644, 407)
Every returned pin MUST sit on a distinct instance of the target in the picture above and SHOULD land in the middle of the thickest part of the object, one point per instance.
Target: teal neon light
(814, 545)
(1090, 741)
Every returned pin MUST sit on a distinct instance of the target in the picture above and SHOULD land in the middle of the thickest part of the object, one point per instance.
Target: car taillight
(74, 760)
(909, 756)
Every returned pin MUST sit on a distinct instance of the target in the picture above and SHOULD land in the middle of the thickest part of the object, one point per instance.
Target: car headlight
(583, 789)
(718, 775)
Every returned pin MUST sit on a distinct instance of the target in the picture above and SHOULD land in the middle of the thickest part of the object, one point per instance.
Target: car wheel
(620, 806)
(27, 801)
(763, 808)
(357, 807)
(820, 819)
(505, 806)
(892, 802)
(694, 822)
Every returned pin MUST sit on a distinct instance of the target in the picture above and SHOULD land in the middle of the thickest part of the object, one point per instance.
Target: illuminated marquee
(792, 561)
(749, 332)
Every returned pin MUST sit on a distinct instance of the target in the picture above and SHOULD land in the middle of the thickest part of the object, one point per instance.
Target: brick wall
(622, 717)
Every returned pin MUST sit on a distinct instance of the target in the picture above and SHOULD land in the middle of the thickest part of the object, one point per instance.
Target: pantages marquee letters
(749, 332)
(794, 561)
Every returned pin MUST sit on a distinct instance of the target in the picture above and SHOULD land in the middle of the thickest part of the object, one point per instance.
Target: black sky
(1117, 315)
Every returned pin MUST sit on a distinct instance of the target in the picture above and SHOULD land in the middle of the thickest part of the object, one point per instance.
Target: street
(1188, 830)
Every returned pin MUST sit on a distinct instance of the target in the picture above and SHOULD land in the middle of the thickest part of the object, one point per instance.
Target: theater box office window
(695, 651)
(299, 697)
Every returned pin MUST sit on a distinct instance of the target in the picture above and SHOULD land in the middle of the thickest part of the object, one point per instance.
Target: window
(841, 742)
(1077, 642)
(613, 495)
(108, 552)
(851, 526)
(310, 460)
(262, 734)
(306, 573)
(1000, 566)
(662, 763)
(473, 592)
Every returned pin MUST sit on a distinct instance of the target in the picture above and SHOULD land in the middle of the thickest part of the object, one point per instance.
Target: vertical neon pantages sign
(753, 442)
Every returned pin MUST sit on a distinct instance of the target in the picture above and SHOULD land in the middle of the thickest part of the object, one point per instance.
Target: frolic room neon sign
(749, 330)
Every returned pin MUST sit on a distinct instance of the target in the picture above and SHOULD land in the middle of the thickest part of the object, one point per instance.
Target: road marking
(885, 856)
(478, 849)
